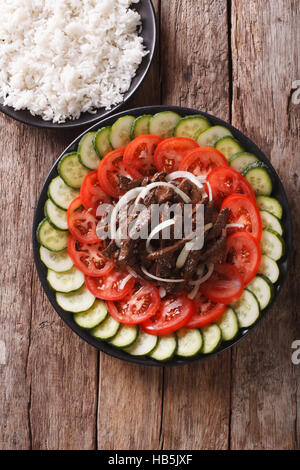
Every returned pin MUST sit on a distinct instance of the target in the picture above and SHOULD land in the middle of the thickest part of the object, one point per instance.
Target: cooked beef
(125, 183)
(219, 225)
(158, 254)
(111, 248)
(160, 176)
(215, 251)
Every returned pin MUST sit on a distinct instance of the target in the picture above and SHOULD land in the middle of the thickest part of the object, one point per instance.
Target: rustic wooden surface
(236, 60)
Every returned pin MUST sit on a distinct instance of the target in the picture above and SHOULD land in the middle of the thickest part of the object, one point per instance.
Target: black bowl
(278, 191)
(146, 11)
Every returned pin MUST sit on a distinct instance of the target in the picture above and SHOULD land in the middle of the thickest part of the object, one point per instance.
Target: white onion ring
(157, 229)
(132, 194)
(159, 278)
(209, 191)
(162, 292)
(124, 281)
(184, 174)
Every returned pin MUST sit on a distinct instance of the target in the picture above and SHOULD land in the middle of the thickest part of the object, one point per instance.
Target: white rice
(59, 58)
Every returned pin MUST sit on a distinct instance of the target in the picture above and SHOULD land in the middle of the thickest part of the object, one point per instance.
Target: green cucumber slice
(240, 161)
(257, 174)
(229, 324)
(143, 345)
(126, 336)
(272, 244)
(270, 221)
(68, 281)
(61, 194)
(228, 146)
(87, 154)
(263, 290)
(163, 124)
(78, 301)
(165, 348)
(191, 126)
(120, 132)
(57, 261)
(56, 216)
(269, 268)
(71, 170)
(102, 143)
(189, 342)
(107, 329)
(270, 204)
(209, 137)
(50, 237)
(140, 126)
(212, 337)
(92, 317)
(247, 309)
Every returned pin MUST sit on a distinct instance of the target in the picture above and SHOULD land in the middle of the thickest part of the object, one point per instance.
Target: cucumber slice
(270, 221)
(257, 174)
(87, 154)
(228, 146)
(102, 143)
(272, 244)
(143, 345)
(107, 329)
(189, 342)
(71, 170)
(140, 126)
(120, 132)
(229, 324)
(270, 204)
(263, 289)
(269, 268)
(191, 126)
(68, 281)
(78, 301)
(93, 316)
(212, 337)
(241, 160)
(125, 337)
(59, 262)
(56, 216)
(163, 124)
(61, 194)
(209, 137)
(50, 237)
(165, 348)
(247, 309)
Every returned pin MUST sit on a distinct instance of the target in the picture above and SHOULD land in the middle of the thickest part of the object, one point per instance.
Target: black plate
(146, 11)
(278, 192)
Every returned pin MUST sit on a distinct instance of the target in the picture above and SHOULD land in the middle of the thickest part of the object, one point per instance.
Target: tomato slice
(173, 313)
(91, 194)
(202, 160)
(244, 211)
(225, 284)
(138, 156)
(170, 152)
(81, 223)
(88, 257)
(108, 287)
(139, 305)
(244, 253)
(225, 181)
(207, 312)
(111, 166)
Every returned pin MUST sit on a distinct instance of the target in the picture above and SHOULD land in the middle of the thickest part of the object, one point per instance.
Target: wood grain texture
(196, 403)
(265, 58)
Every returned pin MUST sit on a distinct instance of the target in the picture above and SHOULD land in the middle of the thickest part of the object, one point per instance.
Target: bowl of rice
(69, 63)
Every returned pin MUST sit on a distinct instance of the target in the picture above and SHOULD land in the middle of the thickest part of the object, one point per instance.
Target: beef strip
(219, 225)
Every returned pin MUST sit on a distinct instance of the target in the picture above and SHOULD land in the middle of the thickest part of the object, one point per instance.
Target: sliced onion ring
(184, 174)
(124, 281)
(194, 292)
(157, 229)
(161, 279)
(132, 194)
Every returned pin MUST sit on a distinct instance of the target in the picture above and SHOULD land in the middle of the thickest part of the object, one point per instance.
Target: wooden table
(237, 60)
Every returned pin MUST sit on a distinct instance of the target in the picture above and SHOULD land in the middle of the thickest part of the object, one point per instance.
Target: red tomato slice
(108, 286)
(202, 160)
(173, 313)
(138, 156)
(81, 223)
(244, 211)
(88, 257)
(111, 166)
(225, 181)
(207, 312)
(170, 152)
(225, 284)
(244, 253)
(139, 305)
(91, 194)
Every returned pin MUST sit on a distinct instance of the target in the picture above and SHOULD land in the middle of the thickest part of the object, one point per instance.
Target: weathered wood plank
(121, 425)
(195, 73)
(265, 40)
